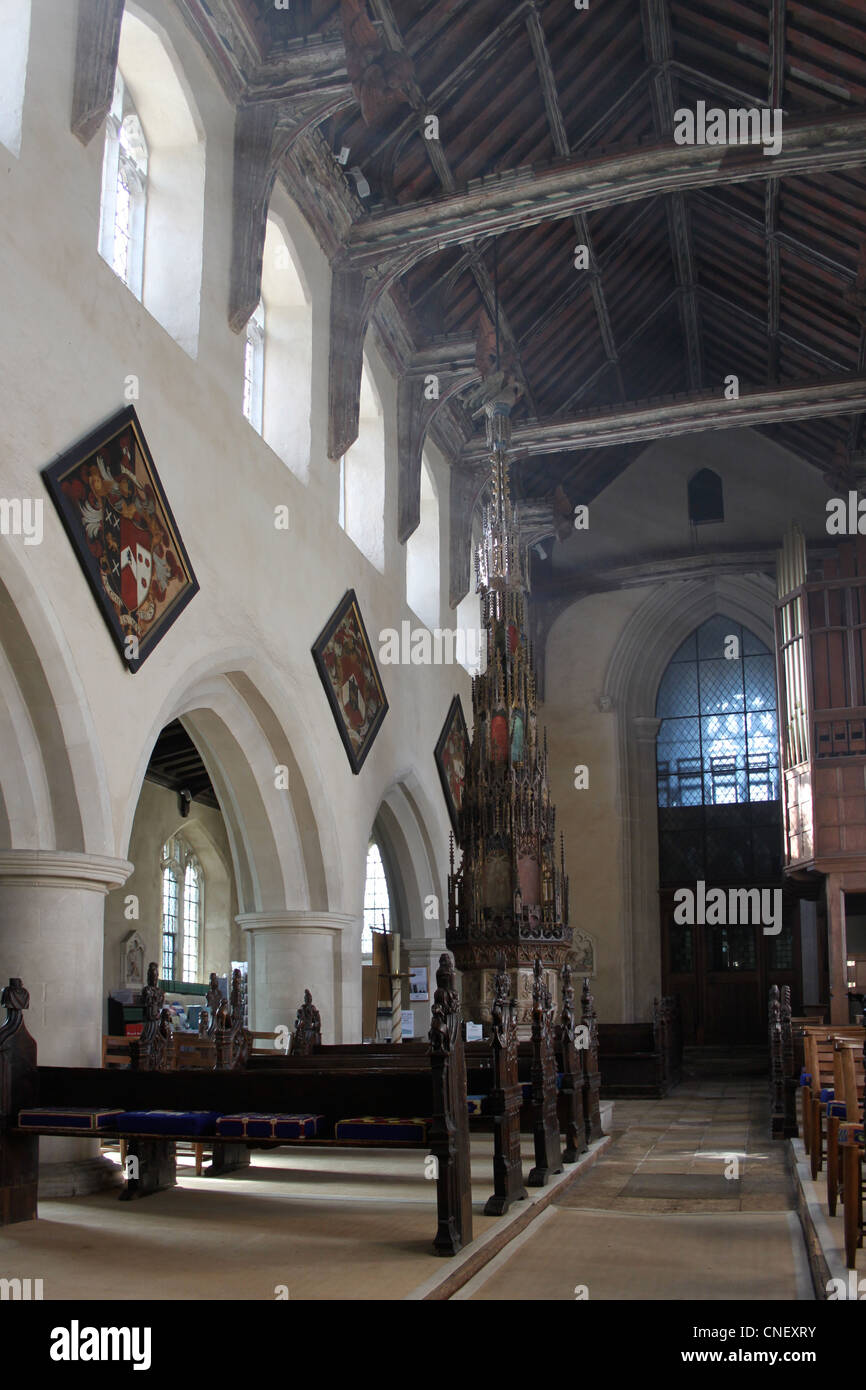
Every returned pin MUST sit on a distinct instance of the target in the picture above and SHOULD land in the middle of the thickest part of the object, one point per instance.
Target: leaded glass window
(254, 368)
(718, 744)
(124, 190)
(718, 760)
(182, 911)
(377, 902)
(169, 919)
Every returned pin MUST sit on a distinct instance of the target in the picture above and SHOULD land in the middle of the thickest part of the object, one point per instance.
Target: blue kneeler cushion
(166, 1124)
(68, 1117)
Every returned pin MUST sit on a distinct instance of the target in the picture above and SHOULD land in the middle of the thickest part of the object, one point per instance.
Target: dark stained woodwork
(545, 1120)
(571, 1123)
(591, 1066)
(449, 1131)
(505, 1098)
(307, 1034)
(96, 47)
(19, 1153)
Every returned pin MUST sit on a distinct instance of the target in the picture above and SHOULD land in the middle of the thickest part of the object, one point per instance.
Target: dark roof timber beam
(96, 47)
(355, 293)
(442, 169)
(647, 420)
(476, 58)
(790, 243)
(561, 144)
(433, 377)
(383, 246)
(264, 134)
(775, 90)
(466, 486)
(742, 315)
(658, 42)
(519, 198)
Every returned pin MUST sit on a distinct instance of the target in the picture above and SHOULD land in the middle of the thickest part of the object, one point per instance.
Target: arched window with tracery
(182, 911)
(151, 226)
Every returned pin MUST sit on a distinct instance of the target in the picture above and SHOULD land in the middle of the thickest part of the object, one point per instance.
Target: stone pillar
(838, 951)
(288, 951)
(642, 938)
(52, 929)
(426, 953)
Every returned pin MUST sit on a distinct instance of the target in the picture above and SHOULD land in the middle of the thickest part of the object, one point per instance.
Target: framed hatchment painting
(348, 671)
(452, 759)
(116, 515)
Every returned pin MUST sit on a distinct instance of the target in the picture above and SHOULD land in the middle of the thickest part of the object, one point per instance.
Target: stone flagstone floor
(692, 1200)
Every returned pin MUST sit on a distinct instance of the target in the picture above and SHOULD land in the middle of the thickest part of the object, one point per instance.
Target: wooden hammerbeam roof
(555, 129)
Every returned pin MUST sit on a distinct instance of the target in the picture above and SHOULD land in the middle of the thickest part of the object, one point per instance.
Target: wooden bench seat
(642, 1060)
(157, 1108)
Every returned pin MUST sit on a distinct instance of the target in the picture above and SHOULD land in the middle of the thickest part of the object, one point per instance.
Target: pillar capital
(299, 919)
(646, 726)
(50, 868)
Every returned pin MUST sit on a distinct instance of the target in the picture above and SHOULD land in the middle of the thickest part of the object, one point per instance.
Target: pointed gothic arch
(637, 664)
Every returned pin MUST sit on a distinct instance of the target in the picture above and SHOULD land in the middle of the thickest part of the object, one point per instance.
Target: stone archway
(400, 827)
(638, 662)
(281, 833)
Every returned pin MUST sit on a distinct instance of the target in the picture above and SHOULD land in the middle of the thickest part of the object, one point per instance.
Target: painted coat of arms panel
(115, 512)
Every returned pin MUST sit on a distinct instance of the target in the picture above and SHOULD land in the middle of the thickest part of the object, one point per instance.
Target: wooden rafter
(656, 24)
(775, 93)
(442, 168)
(581, 226)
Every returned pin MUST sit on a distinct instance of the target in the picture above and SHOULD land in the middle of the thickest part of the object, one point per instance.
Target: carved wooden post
(449, 1131)
(777, 1079)
(417, 404)
(505, 1099)
(545, 1120)
(96, 48)
(223, 1038)
(591, 1073)
(790, 1084)
(19, 1153)
(307, 1035)
(148, 1051)
(571, 1090)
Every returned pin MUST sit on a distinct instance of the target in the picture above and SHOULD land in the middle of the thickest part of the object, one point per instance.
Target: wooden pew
(819, 1052)
(643, 1059)
(845, 1110)
(430, 1084)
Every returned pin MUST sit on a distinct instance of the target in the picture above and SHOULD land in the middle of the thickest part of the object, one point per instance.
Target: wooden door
(722, 976)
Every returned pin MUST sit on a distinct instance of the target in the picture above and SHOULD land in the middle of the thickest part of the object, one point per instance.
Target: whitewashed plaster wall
(236, 665)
